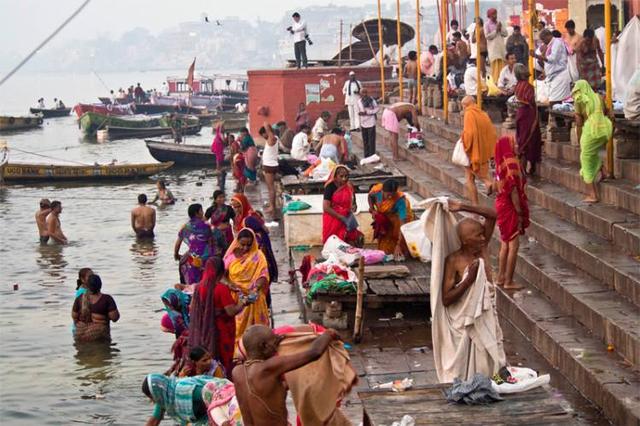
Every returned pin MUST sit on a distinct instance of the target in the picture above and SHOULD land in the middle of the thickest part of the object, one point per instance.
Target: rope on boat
(46, 40)
(49, 157)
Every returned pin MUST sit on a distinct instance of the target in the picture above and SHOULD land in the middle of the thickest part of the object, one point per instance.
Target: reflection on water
(97, 362)
(145, 254)
(51, 260)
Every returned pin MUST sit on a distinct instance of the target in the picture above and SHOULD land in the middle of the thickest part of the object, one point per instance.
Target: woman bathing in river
(92, 313)
(164, 195)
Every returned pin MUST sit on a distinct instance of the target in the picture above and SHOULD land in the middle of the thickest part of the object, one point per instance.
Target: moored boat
(159, 109)
(24, 172)
(9, 123)
(50, 113)
(109, 109)
(91, 122)
(184, 155)
(116, 132)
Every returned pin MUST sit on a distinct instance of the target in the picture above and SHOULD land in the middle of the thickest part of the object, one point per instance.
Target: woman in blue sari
(199, 237)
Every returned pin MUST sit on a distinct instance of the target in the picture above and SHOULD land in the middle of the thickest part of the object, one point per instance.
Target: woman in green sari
(594, 130)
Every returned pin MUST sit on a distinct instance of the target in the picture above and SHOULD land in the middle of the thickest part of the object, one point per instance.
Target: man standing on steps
(368, 108)
(479, 140)
(351, 91)
(391, 118)
(299, 32)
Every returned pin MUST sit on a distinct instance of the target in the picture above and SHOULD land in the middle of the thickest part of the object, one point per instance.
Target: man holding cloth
(351, 92)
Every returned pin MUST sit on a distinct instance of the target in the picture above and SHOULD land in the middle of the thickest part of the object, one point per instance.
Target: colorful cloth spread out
(330, 284)
(596, 130)
(248, 218)
(219, 395)
(176, 304)
(217, 147)
(509, 178)
(176, 396)
(392, 212)
(244, 272)
(528, 133)
(197, 234)
(479, 139)
(342, 201)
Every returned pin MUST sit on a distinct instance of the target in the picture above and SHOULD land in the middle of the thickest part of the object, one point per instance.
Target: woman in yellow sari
(248, 274)
(390, 209)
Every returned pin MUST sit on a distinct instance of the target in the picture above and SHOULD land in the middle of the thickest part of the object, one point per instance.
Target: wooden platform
(361, 178)
(411, 289)
(428, 405)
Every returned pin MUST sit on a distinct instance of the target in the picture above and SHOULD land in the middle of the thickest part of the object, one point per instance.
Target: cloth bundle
(333, 284)
(475, 391)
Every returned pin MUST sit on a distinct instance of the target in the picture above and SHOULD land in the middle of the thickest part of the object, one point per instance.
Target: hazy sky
(25, 23)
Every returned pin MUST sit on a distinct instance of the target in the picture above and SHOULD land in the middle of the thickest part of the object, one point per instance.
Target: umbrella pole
(607, 66)
(381, 47)
(419, 46)
(357, 328)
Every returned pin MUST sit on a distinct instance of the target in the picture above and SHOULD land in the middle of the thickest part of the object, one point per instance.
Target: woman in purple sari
(528, 134)
(198, 236)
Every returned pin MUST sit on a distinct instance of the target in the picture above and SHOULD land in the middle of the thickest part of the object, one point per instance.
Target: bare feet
(590, 200)
(513, 286)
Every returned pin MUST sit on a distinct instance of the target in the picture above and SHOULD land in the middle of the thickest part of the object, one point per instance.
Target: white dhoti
(559, 86)
(573, 68)
(467, 337)
(354, 117)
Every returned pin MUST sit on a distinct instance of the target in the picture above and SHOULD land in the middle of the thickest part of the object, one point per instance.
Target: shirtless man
(391, 118)
(260, 390)
(333, 146)
(475, 238)
(143, 218)
(41, 220)
(54, 229)
(410, 74)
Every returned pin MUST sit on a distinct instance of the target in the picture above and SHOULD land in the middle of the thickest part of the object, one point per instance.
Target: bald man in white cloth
(467, 338)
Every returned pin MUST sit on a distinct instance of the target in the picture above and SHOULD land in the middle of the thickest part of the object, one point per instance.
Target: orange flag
(192, 69)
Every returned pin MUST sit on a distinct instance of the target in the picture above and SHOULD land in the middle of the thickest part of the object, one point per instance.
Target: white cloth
(299, 30)
(351, 92)
(471, 81)
(369, 120)
(632, 103)
(471, 29)
(507, 79)
(559, 86)
(320, 128)
(300, 146)
(496, 42)
(466, 335)
(557, 58)
(164, 90)
(270, 154)
(626, 59)
(354, 116)
(573, 67)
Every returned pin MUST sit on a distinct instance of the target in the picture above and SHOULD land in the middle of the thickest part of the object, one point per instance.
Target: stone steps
(560, 339)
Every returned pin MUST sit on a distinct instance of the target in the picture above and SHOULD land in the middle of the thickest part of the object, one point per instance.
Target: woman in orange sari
(248, 275)
(390, 209)
(338, 205)
(512, 208)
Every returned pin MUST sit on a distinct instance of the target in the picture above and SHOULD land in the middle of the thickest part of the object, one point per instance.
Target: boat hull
(91, 122)
(183, 155)
(21, 173)
(129, 133)
(50, 113)
(81, 109)
(10, 123)
(159, 109)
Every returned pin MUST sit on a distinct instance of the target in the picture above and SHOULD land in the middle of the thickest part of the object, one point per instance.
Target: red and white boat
(110, 109)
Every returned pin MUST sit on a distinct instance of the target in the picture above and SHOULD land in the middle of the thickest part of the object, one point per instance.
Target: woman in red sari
(512, 208)
(338, 206)
(212, 324)
(527, 126)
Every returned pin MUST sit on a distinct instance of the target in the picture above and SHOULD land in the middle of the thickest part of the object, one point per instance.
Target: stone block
(339, 323)
(626, 147)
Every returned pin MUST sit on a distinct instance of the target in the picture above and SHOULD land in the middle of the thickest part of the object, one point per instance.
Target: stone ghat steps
(614, 321)
(624, 168)
(610, 271)
(613, 219)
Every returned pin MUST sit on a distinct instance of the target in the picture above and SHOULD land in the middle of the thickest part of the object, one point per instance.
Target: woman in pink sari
(528, 136)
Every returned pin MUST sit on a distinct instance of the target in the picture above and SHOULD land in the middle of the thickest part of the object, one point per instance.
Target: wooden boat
(24, 172)
(116, 132)
(184, 155)
(160, 109)
(49, 113)
(9, 123)
(91, 122)
(81, 109)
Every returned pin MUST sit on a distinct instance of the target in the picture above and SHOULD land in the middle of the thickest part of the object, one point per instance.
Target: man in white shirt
(351, 92)
(556, 68)
(41, 103)
(320, 128)
(368, 108)
(471, 78)
(453, 28)
(164, 90)
(507, 80)
(300, 145)
(299, 32)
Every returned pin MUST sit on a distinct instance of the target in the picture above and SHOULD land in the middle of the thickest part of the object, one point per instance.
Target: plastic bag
(492, 89)
(295, 206)
(527, 379)
(342, 251)
(459, 156)
(416, 239)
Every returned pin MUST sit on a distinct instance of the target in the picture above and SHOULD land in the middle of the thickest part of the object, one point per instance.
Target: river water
(46, 379)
